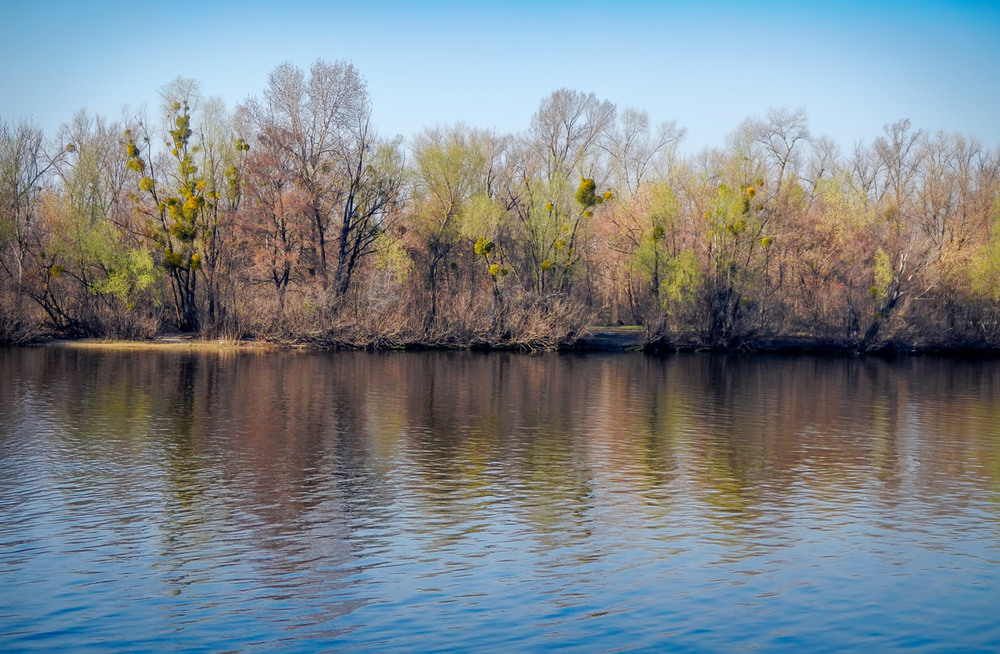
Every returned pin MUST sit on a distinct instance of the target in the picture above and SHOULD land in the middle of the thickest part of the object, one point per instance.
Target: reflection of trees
(768, 428)
(310, 466)
(492, 431)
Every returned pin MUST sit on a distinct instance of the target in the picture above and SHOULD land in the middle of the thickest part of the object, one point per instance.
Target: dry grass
(168, 343)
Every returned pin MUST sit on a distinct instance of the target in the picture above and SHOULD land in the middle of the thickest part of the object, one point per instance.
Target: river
(456, 501)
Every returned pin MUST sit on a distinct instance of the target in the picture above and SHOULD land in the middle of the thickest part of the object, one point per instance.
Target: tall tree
(635, 151)
(368, 194)
(176, 210)
(322, 124)
(275, 219)
(24, 164)
(566, 128)
(898, 158)
(454, 176)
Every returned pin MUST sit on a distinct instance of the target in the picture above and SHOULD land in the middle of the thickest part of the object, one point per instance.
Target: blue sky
(854, 66)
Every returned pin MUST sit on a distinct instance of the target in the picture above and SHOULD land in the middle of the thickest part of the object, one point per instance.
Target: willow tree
(737, 252)
(640, 232)
(665, 275)
(106, 272)
(453, 178)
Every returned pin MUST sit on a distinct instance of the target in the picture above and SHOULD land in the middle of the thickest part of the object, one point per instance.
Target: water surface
(484, 502)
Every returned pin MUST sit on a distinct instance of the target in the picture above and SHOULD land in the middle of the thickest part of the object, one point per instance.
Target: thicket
(290, 219)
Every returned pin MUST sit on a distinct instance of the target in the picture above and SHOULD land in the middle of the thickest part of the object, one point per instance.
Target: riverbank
(599, 339)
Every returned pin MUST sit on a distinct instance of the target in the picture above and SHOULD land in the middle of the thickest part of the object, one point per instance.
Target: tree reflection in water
(332, 493)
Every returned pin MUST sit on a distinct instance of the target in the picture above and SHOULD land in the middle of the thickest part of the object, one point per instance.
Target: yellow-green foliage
(392, 257)
(481, 215)
(681, 280)
(132, 273)
(586, 194)
(984, 270)
(881, 274)
(663, 205)
(173, 260)
(796, 195)
(483, 247)
(732, 211)
(734, 228)
(845, 208)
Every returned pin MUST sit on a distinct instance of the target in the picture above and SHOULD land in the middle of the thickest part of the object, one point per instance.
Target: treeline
(291, 219)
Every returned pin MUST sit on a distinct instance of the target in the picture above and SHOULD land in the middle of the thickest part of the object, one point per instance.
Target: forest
(290, 220)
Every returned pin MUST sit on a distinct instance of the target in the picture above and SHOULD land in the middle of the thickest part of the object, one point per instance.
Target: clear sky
(854, 66)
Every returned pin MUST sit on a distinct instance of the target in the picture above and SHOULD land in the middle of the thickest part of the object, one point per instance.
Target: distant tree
(453, 179)
(106, 273)
(635, 153)
(24, 164)
(639, 234)
(275, 219)
(565, 129)
(350, 178)
(25, 171)
(898, 158)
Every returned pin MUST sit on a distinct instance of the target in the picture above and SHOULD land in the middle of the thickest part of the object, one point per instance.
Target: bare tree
(368, 195)
(24, 165)
(310, 120)
(565, 128)
(350, 178)
(779, 134)
(634, 150)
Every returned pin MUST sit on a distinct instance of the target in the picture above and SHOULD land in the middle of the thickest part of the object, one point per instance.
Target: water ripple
(468, 503)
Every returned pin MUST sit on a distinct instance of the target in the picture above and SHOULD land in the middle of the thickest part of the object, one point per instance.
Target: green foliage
(663, 205)
(483, 247)
(586, 194)
(173, 261)
(132, 273)
(984, 269)
(481, 215)
(681, 281)
(391, 256)
(882, 274)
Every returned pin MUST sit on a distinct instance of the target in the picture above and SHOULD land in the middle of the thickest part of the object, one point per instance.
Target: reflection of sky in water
(468, 501)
